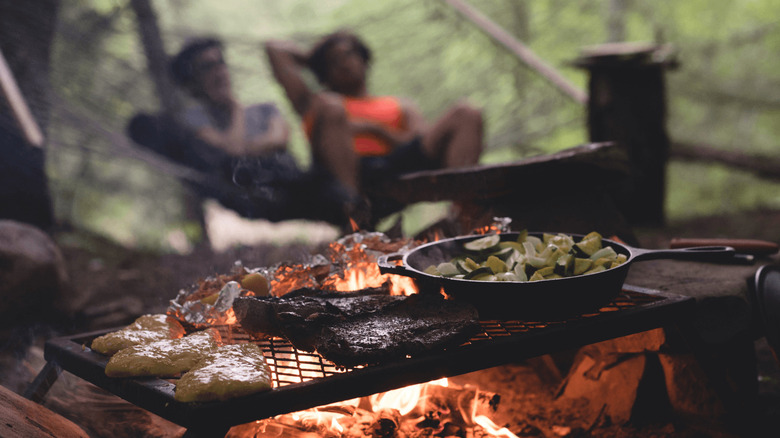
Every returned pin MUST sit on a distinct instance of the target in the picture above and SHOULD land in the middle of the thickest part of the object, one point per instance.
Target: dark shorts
(406, 158)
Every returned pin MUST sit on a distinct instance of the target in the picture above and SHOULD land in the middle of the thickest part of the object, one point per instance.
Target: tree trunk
(157, 64)
(156, 57)
(26, 34)
(616, 21)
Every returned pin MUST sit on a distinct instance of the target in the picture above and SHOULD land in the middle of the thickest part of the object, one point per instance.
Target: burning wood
(434, 409)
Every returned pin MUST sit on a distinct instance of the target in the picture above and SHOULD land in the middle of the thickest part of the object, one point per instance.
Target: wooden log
(22, 418)
(598, 165)
(759, 165)
(568, 191)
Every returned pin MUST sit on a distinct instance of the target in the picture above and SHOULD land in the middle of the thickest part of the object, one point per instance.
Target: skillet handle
(386, 267)
(700, 253)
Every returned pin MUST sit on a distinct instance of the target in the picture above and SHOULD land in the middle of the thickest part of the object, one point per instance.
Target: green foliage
(724, 93)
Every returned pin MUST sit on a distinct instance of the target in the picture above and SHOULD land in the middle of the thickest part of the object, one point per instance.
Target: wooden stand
(627, 105)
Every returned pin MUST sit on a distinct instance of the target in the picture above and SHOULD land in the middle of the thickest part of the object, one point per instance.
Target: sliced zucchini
(589, 246)
(507, 276)
(595, 269)
(504, 253)
(544, 272)
(496, 264)
(529, 258)
(519, 270)
(481, 244)
(565, 265)
(581, 265)
(447, 269)
(606, 252)
(479, 272)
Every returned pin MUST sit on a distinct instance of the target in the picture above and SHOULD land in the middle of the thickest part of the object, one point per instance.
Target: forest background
(724, 94)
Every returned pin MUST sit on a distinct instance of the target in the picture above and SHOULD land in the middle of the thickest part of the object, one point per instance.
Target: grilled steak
(354, 329)
(305, 309)
(416, 325)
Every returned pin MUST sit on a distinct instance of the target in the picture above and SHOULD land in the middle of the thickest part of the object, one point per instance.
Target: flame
(492, 229)
(364, 275)
(492, 428)
(403, 399)
(230, 317)
(334, 425)
(354, 225)
(424, 409)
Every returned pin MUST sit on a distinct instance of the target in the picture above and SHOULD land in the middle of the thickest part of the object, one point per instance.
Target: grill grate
(290, 366)
(305, 380)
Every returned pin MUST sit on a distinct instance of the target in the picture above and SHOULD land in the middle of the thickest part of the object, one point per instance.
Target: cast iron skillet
(538, 300)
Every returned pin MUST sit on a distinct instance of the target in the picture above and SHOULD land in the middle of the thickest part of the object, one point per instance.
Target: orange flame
(412, 404)
(230, 317)
(364, 275)
(492, 428)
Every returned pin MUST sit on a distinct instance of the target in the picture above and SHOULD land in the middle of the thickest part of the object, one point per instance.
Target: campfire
(436, 408)
(431, 409)
(316, 395)
(348, 265)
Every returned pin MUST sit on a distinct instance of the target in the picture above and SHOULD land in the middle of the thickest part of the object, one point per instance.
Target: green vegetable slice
(496, 264)
(551, 256)
(479, 272)
(447, 269)
(483, 243)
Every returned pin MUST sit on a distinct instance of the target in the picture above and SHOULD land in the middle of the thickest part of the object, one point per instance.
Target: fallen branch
(762, 166)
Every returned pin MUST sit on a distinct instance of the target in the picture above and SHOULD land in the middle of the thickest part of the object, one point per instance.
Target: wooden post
(627, 105)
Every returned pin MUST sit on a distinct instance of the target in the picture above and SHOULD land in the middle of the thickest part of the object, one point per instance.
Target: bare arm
(287, 63)
(275, 138)
(231, 140)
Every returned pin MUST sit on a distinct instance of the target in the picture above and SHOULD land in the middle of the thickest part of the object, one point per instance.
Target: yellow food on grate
(145, 329)
(232, 371)
(166, 358)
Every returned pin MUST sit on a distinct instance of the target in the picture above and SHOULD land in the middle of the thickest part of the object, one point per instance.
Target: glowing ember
(428, 409)
(351, 266)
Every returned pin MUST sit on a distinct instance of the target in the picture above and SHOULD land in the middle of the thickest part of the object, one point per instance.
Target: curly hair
(182, 65)
(318, 62)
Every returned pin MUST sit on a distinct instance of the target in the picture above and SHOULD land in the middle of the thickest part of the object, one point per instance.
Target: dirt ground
(111, 285)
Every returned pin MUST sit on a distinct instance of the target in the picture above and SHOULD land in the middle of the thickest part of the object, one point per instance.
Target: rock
(33, 277)
(609, 383)
(690, 392)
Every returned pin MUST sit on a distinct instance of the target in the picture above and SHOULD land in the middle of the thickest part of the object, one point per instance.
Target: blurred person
(362, 139)
(239, 146)
(248, 142)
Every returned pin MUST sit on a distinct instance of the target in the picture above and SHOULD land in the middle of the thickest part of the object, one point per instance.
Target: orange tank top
(385, 111)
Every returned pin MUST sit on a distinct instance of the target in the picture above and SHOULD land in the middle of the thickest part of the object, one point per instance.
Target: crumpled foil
(285, 276)
(200, 314)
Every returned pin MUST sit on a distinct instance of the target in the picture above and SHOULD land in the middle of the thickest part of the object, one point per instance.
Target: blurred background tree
(724, 95)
